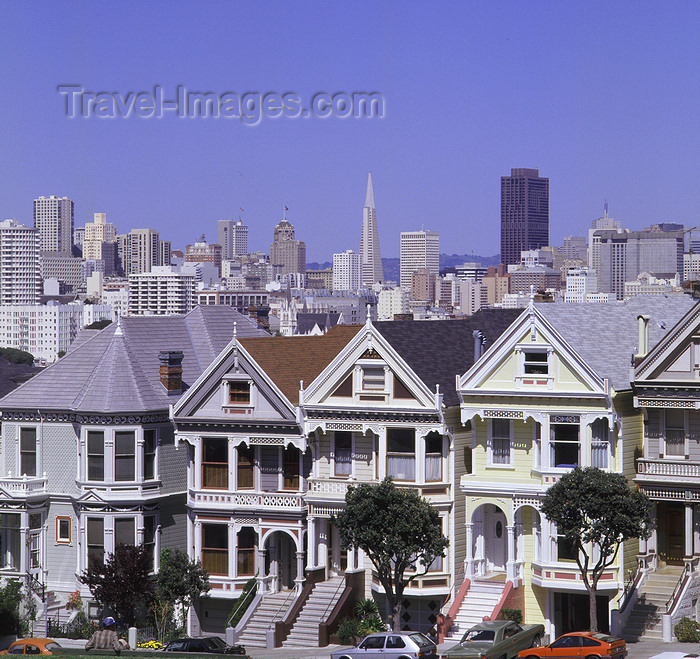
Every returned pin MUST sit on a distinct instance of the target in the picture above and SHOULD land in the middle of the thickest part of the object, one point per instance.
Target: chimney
(171, 371)
(478, 344)
(643, 341)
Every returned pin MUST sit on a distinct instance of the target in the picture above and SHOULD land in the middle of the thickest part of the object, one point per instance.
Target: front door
(671, 533)
(496, 550)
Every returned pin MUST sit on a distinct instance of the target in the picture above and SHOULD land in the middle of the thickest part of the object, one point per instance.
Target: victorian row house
(202, 433)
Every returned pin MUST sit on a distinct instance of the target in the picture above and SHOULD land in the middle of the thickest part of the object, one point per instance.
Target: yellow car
(34, 646)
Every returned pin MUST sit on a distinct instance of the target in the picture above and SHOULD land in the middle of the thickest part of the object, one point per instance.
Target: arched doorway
(280, 560)
(489, 540)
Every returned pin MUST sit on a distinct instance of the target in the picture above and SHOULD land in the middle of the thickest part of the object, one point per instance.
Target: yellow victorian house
(552, 393)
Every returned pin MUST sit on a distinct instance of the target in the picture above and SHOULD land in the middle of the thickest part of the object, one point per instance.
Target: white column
(351, 560)
(469, 557)
(299, 581)
(382, 453)
(696, 532)
(232, 554)
(23, 553)
(197, 464)
(510, 563)
(260, 570)
(312, 542)
(323, 543)
(688, 530)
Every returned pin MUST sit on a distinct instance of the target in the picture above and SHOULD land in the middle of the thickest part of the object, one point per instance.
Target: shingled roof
(287, 360)
(116, 370)
(439, 350)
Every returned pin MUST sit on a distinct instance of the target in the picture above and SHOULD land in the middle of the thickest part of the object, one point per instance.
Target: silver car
(391, 645)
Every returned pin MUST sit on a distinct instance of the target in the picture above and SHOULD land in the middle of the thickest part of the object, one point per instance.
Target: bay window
(565, 448)
(674, 432)
(343, 452)
(96, 539)
(501, 430)
(433, 457)
(215, 548)
(600, 443)
(149, 454)
(401, 454)
(215, 463)
(245, 458)
(247, 539)
(95, 455)
(125, 455)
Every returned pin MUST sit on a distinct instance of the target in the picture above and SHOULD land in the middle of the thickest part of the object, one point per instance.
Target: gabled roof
(289, 359)
(307, 321)
(605, 335)
(437, 351)
(116, 369)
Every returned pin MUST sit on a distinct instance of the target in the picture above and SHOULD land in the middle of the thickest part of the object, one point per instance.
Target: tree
(398, 530)
(180, 583)
(596, 511)
(122, 581)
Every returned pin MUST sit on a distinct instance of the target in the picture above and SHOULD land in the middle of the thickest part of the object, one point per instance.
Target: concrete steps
(317, 608)
(481, 598)
(644, 622)
(271, 608)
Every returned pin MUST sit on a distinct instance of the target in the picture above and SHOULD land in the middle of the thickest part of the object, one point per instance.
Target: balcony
(567, 575)
(23, 487)
(668, 471)
(252, 501)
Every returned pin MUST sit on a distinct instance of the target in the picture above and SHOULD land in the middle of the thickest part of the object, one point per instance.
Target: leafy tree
(596, 511)
(180, 583)
(398, 530)
(10, 600)
(17, 356)
(99, 324)
(122, 581)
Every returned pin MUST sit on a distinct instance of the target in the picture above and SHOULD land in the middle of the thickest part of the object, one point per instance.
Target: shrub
(516, 615)
(347, 631)
(17, 356)
(687, 631)
(236, 613)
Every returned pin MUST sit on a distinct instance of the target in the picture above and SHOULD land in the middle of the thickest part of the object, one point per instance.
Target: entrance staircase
(271, 609)
(481, 599)
(644, 622)
(316, 610)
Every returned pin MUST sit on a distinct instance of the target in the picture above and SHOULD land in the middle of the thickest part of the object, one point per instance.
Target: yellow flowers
(151, 644)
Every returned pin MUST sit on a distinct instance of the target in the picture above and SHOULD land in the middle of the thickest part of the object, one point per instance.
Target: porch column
(381, 439)
(696, 532)
(351, 559)
(260, 554)
(23, 553)
(312, 544)
(299, 579)
(232, 554)
(197, 471)
(688, 530)
(469, 557)
(510, 563)
(197, 532)
(323, 543)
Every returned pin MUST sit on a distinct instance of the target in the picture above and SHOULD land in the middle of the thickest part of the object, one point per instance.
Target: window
(535, 362)
(247, 539)
(215, 548)
(27, 451)
(433, 457)
(124, 455)
(600, 443)
(401, 454)
(343, 453)
(373, 378)
(149, 538)
(500, 441)
(565, 448)
(149, 454)
(290, 468)
(34, 540)
(674, 432)
(96, 539)
(215, 463)
(245, 467)
(63, 530)
(372, 643)
(537, 444)
(124, 531)
(96, 455)
(395, 643)
(566, 550)
(238, 392)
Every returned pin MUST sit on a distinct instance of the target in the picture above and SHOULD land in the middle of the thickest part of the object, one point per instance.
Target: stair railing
(251, 592)
(678, 591)
(282, 607)
(341, 585)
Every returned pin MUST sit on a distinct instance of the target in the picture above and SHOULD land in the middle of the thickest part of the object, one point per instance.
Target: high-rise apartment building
(524, 213)
(140, 250)
(419, 249)
(204, 252)
(20, 267)
(346, 271)
(232, 235)
(100, 242)
(53, 216)
(370, 254)
(161, 291)
(288, 254)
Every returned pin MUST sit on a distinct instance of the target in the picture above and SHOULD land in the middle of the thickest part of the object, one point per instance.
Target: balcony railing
(676, 469)
(23, 486)
(278, 500)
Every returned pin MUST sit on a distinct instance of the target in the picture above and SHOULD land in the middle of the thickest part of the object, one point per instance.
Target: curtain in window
(401, 466)
(433, 467)
(343, 461)
(599, 444)
(501, 451)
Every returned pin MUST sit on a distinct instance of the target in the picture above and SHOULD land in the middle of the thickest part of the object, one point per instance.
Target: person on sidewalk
(107, 637)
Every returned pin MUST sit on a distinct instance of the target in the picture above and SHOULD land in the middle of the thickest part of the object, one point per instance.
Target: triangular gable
(504, 367)
(205, 398)
(674, 357)
(338, 384)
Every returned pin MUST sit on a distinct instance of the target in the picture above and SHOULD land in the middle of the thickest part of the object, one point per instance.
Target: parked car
(590, 645)
(34, 646)
(391, 645)
(495, 639)
(206, 644)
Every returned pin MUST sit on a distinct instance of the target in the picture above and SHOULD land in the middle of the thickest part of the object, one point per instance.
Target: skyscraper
(524, 213)
(100, 242)
(419, 249)
(20, 267)
(286, 252)
(370, 254)
(232, 235)
(53, 216)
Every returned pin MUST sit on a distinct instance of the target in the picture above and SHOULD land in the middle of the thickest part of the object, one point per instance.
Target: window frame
(241, 399)
(60, 538)
(490, 462)
(220, 467)
(22, 452)
(150, 457)
(389, 454)
(524, 364)
(349, 463)
(665, 453)
(124, 458)
(553, 443)
(216, 550)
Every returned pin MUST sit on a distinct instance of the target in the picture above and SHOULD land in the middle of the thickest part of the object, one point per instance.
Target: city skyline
(593, 96)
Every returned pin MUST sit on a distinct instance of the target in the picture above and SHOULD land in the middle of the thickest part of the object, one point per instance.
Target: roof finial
(531, 304)
(119, 331)
(369, 199)
(235, 348)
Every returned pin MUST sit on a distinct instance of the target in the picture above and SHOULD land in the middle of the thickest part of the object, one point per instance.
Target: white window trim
(37, 449)
(225, 393)
(351, 475)
(109, 433)
(669, 456)
(489, 445)
(358, 380)
(543, 379)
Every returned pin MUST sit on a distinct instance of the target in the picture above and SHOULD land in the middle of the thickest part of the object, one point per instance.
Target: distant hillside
(392, 266)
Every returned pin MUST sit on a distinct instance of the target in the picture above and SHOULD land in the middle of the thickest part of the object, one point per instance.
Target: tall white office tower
(419, 249)
(370, 254)
(53, 216)
(232, 235)
(20, 267)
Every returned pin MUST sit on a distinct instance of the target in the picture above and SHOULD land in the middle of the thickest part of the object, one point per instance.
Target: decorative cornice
(96, 418)
(379, 416)
(228, 425)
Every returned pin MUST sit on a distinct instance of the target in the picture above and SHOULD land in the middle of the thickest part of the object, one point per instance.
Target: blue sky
(602, 97)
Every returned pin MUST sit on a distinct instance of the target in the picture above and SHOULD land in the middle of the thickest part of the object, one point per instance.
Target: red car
(589, 645)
